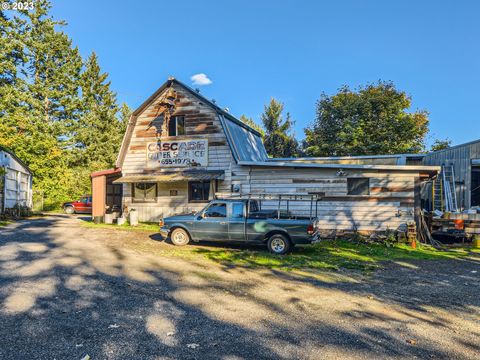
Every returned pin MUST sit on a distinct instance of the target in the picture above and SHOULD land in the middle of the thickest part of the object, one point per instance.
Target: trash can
(133, 217)
(108, 218)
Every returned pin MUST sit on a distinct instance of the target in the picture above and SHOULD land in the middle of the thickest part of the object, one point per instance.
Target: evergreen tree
(53, 69)
(99, 132)
(60, 121)
(250, 122)
(12, 86)
(279, 141)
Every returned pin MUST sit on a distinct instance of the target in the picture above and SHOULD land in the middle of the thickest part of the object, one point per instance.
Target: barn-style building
(180, 150)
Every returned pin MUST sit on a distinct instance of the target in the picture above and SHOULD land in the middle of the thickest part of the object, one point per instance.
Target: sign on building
(181, 153)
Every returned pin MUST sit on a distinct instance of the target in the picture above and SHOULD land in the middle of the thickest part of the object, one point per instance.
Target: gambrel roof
(245, 143)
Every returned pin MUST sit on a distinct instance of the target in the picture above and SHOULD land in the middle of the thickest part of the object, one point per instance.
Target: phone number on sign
(18, 5)
(175, 161)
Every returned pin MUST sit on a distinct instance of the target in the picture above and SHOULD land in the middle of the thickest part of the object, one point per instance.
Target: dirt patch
(115, 294)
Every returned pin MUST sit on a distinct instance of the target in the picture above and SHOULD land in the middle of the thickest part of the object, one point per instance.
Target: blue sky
(290, 50)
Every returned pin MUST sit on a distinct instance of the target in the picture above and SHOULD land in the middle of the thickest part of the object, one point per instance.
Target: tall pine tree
(279, 140)
(250, 122)
(99, 131)
(60, 120)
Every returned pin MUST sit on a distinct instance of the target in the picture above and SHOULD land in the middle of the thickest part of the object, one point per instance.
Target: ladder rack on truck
(280, 199)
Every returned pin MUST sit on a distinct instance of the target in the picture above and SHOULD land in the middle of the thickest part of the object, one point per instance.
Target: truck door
(88, 206)
(236, 221)
(81, 205)
(213, 225)
(255, 228)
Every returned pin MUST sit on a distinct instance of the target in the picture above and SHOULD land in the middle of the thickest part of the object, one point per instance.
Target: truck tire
(69, 210)
(179, 237)
(279, 244)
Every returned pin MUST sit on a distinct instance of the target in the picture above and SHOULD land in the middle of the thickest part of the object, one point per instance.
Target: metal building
(465, 159)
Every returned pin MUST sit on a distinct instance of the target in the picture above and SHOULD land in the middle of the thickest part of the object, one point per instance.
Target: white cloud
(200, 79)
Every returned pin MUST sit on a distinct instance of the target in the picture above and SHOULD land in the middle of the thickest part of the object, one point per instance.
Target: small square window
(173, 192)
(358, 186)
(176, 126)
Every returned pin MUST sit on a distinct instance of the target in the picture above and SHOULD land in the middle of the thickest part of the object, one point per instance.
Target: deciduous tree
(439, 144)
(373, 119)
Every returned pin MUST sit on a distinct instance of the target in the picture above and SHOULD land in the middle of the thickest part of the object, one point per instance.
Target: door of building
(113, 194)
(475, 190)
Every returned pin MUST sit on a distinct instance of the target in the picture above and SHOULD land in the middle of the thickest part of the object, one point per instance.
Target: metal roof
(245, 145)
(106, 172)
(197, 175)
(353, 157)
(454, 147)
(249, 134)
(430, 169)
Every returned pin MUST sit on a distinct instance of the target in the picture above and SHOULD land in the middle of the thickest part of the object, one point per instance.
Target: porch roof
(193, 175)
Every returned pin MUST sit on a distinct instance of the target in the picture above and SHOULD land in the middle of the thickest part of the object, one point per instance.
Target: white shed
(15, 181)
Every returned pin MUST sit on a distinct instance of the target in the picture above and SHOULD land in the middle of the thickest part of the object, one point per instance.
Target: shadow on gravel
(63, 296)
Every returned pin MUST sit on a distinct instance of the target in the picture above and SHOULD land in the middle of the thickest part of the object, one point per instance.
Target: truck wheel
(179, 237)
(279, 244)
(69, 210)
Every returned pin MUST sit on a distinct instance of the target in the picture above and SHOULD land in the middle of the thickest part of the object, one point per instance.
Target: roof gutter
(341, 166)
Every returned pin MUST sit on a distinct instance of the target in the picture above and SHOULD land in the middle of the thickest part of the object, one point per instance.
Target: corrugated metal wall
(461, 157)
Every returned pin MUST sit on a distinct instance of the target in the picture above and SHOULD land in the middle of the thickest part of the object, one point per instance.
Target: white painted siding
(16, 183)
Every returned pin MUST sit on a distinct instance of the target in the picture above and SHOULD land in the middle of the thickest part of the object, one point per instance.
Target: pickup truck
(81, 206)
(240, 220)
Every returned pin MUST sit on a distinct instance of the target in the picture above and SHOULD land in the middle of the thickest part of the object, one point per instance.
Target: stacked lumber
(469, 223)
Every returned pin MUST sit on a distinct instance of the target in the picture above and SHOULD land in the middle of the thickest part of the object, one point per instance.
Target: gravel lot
(67, 291)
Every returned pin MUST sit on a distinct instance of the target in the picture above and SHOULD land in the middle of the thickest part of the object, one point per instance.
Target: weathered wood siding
(389, 205)
(201, 122)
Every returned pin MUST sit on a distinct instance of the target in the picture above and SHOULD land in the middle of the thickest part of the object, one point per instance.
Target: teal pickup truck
(240, 220)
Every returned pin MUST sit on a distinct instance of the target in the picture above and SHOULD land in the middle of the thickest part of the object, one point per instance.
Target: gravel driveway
(67, 291)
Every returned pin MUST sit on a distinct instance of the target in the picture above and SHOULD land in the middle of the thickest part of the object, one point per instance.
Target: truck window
(216, 210)
(253, 206)
(237, 210)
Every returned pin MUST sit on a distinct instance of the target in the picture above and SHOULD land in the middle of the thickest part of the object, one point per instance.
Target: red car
(82, 206)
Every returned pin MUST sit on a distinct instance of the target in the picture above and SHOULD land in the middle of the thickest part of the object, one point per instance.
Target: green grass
(330, 255)
(326, 255)
(5, 222)
(141, 226)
